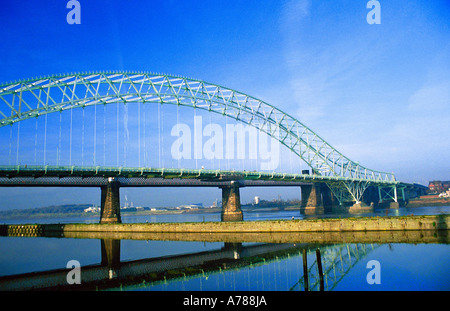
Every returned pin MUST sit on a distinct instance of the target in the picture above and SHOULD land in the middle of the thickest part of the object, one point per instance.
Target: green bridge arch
(35, 97)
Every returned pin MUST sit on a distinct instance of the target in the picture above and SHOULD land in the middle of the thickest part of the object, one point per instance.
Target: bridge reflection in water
(245, 265)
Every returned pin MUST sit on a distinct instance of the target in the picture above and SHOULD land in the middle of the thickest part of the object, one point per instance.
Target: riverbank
(424, 202)
(354, 224)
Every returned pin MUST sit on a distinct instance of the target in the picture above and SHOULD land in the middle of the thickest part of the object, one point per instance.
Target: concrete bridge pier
(370, 196)
(311, 196)
(361, 206)
(231, 203)
(328, 198)
(110, 202)
(369, 200)
(317, 197)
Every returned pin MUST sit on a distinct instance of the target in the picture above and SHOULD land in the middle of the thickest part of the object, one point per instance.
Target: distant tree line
(275, 203)
(55, 209)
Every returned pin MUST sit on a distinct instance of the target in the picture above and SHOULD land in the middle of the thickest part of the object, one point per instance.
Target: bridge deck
(23, 175)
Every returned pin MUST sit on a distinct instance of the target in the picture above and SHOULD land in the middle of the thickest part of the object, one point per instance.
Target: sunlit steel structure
(31, 98)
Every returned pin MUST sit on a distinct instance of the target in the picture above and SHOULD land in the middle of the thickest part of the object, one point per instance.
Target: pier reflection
(272, 261)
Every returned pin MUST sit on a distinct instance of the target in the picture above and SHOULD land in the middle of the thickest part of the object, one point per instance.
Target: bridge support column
(110, 202)
(311, 196)
(370, 196)
(360, 206)
(231, 203)
(328, 198)
(388, 197)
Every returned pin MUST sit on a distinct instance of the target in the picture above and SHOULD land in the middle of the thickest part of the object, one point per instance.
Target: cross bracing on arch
(31, 98)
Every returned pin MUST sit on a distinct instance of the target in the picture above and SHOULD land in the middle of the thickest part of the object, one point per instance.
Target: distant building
(437, 186)
(190, 206)
(256, 200)
(92, 209)
(214, 204)
(445, 194)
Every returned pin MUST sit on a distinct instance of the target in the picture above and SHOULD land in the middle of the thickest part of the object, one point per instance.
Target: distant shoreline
(95, 215)
(36, 214)
(137, 213)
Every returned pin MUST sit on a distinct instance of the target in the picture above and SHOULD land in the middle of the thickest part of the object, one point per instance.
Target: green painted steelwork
(31, 98)
(168, 173)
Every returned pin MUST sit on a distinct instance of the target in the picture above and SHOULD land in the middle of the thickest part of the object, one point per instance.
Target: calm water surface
(254, 215)
(238, 266)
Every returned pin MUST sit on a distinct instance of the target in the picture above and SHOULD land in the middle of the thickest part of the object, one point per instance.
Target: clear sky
(379, 93)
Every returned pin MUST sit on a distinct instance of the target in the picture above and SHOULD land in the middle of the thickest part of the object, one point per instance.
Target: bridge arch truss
(32, 98)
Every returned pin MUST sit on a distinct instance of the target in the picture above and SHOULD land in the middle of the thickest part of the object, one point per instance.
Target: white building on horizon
(256, 200)
(92, 209)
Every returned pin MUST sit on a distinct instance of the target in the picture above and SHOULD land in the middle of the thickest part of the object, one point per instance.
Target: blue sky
(380, 94)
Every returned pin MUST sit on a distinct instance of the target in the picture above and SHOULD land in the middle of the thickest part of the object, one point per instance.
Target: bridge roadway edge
(354, 224)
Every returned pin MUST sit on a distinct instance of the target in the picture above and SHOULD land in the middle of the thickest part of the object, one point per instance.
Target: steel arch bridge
(35, 97)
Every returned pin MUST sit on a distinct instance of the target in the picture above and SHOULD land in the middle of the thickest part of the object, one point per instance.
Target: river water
(240, 264)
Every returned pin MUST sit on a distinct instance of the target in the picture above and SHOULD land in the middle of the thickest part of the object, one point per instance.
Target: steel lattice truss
(337, 261)
(35, 97)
